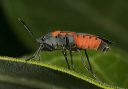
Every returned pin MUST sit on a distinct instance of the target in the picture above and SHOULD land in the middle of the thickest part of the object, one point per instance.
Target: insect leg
(82, 58)
(35, 54)
(65, 55)
(86, 65)
(72, 63)
(70, 51)
(39, 54)
(90, 67)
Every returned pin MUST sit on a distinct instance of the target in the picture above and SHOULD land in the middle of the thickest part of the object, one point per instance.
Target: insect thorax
(56, 42)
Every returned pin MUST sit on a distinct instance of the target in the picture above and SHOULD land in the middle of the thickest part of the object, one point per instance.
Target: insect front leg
(35, 54)
(65, 55)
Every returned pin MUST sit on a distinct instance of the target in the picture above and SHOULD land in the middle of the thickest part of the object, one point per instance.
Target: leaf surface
(17, 74)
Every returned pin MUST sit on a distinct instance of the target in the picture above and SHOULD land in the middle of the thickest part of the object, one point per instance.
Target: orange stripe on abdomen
(97, 43)
(91, 42)
(87, 41)
(78, 41)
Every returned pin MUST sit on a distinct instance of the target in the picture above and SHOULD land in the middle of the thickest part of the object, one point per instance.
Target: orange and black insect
(82, 41)
(71, 41)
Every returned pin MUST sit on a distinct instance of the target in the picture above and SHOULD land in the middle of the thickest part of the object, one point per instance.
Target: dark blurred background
(106, 18)
(9, 43)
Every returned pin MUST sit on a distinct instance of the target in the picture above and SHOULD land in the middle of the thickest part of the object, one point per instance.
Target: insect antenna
(28, 29)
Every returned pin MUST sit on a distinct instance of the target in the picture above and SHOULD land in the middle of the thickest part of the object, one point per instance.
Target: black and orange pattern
(84, 41)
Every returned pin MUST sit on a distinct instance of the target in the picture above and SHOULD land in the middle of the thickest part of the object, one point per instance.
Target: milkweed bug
(71, 41)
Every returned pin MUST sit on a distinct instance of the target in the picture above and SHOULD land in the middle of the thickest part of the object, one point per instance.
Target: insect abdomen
(86, 41)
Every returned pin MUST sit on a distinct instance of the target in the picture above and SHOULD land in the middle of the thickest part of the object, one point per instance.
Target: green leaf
(17, 74)
(110, 67)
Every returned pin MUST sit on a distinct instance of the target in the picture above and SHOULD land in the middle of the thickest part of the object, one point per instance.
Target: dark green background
(106, 18)
(9, 43)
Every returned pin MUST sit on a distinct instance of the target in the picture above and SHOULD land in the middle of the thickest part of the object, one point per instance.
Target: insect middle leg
(72, 63)
(65, 55)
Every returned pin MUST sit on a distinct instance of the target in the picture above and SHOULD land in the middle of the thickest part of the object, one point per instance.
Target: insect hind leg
(90, 67)
(82, 58)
